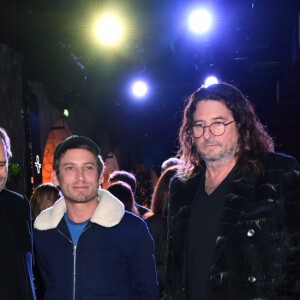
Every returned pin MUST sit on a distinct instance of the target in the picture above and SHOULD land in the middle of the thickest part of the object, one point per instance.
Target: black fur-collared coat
(257, 253)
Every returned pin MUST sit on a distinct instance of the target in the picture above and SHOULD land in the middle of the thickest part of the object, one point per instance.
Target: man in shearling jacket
(234, 206)
(87, 246)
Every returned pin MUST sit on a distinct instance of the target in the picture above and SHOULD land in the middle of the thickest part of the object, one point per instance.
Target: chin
(210, 156)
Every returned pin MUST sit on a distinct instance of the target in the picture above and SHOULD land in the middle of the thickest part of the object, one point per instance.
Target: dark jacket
(142, 210)
(113, 258)
(257, 253)
(16, 280)
(158, 228)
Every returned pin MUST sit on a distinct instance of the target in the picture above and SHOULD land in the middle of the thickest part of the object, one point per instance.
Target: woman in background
(123, 192)
(44, 196)
(157, 223)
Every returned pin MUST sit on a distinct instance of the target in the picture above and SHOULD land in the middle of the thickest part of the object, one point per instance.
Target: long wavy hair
(159, 203)
(254, 141)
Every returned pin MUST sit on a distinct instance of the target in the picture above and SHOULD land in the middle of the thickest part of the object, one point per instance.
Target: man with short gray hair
(16, 280)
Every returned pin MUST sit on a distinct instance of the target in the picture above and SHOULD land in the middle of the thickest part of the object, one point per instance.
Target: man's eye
(69, 168)
(199, 125)
(89, 167)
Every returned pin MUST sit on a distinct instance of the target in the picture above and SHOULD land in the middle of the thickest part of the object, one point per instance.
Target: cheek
(232, 135)
(64, 179)
(3, 171)
(235, 137)
(198, 144)
(92, 175)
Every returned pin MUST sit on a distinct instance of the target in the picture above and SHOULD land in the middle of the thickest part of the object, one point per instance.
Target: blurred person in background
(44, 196)
(130, 179)
(123, 192)
(156, 220)
(172, 161)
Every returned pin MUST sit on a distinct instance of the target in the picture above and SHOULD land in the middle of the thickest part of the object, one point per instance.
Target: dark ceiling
(251, 46)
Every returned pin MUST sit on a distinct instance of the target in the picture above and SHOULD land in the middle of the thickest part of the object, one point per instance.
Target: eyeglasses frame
(225, 124)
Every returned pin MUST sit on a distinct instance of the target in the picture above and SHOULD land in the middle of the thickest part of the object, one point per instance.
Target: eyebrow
(213, 119)
(73, 163)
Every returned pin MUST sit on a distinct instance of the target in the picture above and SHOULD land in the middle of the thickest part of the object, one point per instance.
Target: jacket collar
(108, 213)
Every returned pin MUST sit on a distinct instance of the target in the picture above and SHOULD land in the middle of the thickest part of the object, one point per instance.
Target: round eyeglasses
(216, 128)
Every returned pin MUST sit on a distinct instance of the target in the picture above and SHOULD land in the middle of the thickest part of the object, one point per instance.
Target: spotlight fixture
(109, 30)
(210, 80)
(139, 89)
(200, 21)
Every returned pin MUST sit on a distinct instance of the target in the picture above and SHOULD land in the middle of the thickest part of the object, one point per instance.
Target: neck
(217, 172)
(80, 212)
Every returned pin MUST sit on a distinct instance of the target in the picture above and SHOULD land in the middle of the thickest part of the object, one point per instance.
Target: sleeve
(38, 279)
(158, 228)
(171, 279)
(290, 287)
(142, 266)
(29, 253)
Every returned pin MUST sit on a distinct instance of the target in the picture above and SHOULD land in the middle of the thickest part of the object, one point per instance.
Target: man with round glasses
(234, 207)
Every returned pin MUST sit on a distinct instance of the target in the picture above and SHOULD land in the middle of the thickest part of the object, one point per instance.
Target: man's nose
(80, 174)
(207, 133)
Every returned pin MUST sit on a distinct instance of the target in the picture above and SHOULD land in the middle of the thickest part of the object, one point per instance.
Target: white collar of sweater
(108, 213)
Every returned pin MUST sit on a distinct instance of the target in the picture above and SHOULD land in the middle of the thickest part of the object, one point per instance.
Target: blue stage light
(200, 21)
(139, 89)
(210, 80)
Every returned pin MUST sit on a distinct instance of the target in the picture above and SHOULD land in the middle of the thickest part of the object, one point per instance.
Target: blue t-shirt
(75, 228)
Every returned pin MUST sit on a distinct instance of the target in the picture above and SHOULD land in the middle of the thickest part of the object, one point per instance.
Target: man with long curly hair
(234, 206)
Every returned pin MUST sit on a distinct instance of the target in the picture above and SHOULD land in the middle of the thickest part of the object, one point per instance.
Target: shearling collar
(108, 213)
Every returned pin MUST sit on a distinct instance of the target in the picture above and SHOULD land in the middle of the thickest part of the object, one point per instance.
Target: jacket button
(184, 289)
(250, 232)
(251, 279)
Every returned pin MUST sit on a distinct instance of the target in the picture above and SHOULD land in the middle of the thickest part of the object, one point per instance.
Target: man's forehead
(77, 154)
(211, 109)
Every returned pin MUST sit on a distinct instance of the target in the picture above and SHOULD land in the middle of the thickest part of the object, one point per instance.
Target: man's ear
(55, 180)
(101, 178)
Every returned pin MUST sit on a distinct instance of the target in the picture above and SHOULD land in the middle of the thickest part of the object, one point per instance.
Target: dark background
(50, 62)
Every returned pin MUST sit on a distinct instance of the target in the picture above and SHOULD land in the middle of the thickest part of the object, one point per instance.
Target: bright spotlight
(139, 89)
(109, 29)
(210, 80)
(200, 21)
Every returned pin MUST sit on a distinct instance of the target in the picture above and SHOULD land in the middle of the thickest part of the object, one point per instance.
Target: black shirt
(203, 228)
